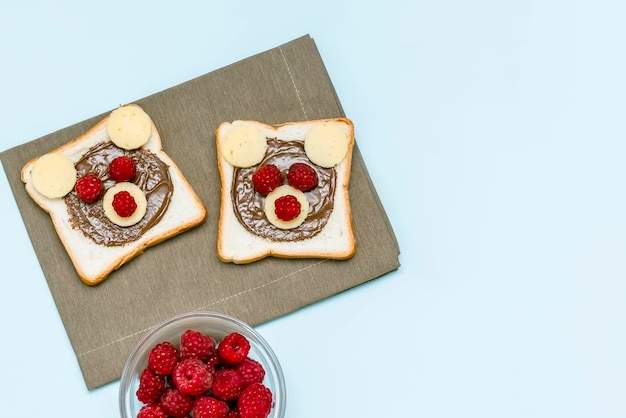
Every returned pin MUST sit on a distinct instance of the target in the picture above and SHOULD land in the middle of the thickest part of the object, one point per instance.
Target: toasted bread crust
(336, 241)
(93, 262)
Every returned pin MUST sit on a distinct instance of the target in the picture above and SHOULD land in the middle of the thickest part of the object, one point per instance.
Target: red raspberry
(175, 403)
(150, 387)
(255, 401)
(88, 188)
(302, 176)
(122, 168)
(214, 360)
(266, 178)
(151, 411)
(124, 204)
(251, 371)
(209, 407)
(287, 207)
(234, 348)
(192, 377)
(163, 358)
(194, 344)
(227, 384)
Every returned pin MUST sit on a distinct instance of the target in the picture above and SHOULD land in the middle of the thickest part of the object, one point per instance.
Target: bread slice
(239, 243)
(94, 262)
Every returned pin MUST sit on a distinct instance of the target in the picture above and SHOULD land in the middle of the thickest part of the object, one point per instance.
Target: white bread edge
(336, 241)
(93, 262)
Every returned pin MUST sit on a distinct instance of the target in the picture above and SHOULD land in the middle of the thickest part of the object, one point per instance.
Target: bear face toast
(284, 190)
(112, 192)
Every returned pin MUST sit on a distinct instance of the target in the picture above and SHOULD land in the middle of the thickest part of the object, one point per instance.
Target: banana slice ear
(129, 127)
(244, 146)
(53, 175)
(326, 145)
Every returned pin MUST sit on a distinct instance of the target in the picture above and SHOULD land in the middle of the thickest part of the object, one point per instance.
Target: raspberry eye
(302, 176)
(122, 169)
(88, 188)
(266, 178)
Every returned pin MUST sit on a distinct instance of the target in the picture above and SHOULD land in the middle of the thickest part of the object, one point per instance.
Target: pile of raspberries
(203, 379)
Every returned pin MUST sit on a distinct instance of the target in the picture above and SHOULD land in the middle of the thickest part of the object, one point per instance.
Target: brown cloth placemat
(182, 274)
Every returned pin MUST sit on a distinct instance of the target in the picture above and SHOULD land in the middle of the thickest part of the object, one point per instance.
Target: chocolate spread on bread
(248, 203)
(152, 177)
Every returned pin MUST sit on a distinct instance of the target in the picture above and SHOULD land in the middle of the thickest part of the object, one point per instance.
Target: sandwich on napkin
(113, 192)
(284, 190)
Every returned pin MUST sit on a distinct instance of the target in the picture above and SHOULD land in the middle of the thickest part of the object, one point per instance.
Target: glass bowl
(218, 326)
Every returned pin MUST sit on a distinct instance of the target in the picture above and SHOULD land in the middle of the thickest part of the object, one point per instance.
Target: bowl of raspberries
(202, 365)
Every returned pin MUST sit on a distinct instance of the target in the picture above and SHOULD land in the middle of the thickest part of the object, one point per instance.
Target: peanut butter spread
(249, 204)
(152, 177)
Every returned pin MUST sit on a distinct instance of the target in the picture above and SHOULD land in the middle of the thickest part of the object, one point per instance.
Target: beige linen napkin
(182, 274)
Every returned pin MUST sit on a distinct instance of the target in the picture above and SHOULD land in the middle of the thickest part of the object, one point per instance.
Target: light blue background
(494, 132)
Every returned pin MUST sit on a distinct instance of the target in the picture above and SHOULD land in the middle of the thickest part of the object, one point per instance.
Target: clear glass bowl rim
(237, 326)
